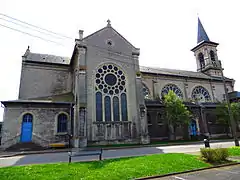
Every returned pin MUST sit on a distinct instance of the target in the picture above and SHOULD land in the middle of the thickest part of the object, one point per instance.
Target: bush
(214, 155)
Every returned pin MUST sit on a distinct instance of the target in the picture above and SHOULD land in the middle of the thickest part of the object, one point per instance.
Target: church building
(101, 95)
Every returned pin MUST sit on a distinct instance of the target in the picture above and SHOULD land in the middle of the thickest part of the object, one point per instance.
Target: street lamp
(232, 122)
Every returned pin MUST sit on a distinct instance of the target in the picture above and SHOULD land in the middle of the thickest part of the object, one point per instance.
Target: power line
(58, 34)
(30, 28)
(31, 35)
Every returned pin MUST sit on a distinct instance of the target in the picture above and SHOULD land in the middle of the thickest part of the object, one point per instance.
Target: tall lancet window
(111, 94)
(212, 55)
(201, 60)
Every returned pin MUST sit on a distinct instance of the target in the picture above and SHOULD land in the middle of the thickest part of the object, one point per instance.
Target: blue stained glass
(99, 106)
(116, 109)
(124, 107)
(107, 108)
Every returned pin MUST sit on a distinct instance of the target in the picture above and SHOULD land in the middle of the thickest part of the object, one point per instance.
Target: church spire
(202, 35)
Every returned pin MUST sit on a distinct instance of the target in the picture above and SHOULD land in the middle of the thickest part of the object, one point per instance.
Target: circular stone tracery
(110, 79)
(201, 94)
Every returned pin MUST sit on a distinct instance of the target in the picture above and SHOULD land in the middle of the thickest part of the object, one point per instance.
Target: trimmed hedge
(214, 155)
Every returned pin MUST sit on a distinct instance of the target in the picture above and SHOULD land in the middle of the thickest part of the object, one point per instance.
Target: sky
(165, 31)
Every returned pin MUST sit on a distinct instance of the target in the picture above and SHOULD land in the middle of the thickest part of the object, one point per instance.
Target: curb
(184, 172)
(108, 148)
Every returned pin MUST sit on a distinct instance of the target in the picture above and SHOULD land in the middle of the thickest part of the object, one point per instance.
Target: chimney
(80, 34)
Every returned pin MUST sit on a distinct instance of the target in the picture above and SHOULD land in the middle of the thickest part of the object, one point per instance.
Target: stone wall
(41, 80)
(44, 123)
(215, 88)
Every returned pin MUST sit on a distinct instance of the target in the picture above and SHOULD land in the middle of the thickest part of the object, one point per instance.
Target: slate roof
(46, 58)
(202, 35)
(176, 72)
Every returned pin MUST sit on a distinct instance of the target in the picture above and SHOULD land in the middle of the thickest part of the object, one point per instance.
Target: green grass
(234, 151)
(152, 143)
(123, 168)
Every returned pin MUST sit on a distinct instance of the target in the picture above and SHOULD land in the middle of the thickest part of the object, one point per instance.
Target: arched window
(201, 60)
(212, 55)
(149, 118)
(27, 118)
(62, 123)
(116, 108)
(111, 93)
(98, 106)
(172, 87)
(146, 92)
(201, 94)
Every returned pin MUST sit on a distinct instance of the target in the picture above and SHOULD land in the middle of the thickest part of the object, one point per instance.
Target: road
(107, 154)
(230, 172)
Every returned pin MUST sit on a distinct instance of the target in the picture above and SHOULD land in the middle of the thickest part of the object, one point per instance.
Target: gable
(109, 38)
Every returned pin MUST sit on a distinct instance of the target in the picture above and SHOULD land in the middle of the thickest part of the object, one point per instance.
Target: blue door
(193, 128)
(26, 135)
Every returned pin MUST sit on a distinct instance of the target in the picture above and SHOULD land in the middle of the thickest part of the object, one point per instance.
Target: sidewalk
(4, 154)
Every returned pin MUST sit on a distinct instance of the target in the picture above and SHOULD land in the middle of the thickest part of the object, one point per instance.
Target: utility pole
(232, 121)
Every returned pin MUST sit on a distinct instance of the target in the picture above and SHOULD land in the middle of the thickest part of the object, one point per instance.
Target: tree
(177, 113)
(223, 116)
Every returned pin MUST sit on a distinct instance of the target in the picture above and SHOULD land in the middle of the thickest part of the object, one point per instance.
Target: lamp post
(232, 122)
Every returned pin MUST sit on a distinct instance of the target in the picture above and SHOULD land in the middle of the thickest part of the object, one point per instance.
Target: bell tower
(206, 53)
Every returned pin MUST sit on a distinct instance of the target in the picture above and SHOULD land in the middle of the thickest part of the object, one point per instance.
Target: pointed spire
(202, 35)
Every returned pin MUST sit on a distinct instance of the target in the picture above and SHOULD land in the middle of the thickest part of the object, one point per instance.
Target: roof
(33, 102)
(202, 35)
(45, 58)
(180, 73)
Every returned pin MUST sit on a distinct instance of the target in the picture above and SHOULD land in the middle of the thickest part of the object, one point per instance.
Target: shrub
(214, 155)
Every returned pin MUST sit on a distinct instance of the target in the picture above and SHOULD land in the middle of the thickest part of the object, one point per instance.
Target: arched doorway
(193, 128)
(26, 133)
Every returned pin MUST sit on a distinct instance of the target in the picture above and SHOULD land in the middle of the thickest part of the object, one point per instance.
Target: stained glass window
(62, 123)
(116, 108)
(110, 84)
(99, 106)
(201, 94)
(124, 107)
(173, 88)
(107, 108)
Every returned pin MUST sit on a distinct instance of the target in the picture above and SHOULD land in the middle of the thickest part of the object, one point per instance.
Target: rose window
(110, 87)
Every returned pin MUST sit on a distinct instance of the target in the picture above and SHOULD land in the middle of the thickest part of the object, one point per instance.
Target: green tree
(223, 116)
(177, 113)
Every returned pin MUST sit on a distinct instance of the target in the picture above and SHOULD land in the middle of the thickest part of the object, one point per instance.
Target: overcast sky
(165, 31)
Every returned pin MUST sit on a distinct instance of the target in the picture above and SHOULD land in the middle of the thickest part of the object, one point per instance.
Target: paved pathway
(229, 172)
(107, 154)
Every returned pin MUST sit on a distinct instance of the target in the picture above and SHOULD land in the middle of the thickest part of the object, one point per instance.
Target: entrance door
(26, 135)
(193, 128)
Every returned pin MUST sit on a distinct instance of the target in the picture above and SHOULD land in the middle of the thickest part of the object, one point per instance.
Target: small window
(62, 123)
(212, 55)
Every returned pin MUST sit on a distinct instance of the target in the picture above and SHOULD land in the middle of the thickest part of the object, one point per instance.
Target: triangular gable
(108, 38)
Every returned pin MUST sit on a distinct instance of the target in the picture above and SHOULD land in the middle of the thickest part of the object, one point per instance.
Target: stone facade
(103, 96)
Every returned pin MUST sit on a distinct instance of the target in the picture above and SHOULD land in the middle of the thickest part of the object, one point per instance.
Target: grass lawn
(234, 151)
(123, 168)
(152, 143)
